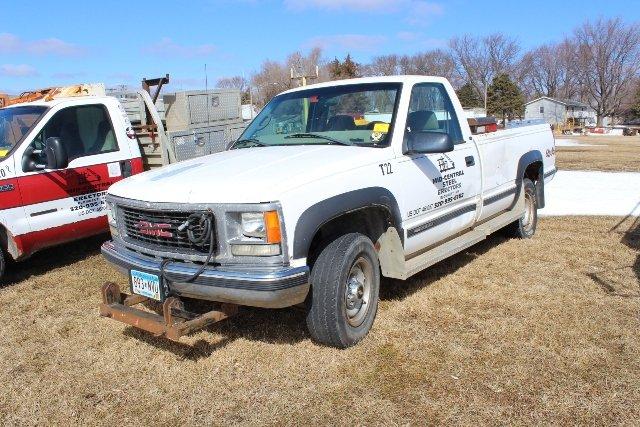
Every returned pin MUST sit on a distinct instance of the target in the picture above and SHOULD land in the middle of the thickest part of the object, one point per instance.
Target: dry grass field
(603, 153)
(545, 331)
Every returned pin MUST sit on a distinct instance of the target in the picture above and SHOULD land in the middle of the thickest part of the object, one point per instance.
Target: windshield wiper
(315, 135)
(253, 141)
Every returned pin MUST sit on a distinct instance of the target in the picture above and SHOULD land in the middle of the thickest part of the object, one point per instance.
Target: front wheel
(345, 282)
(525, 227)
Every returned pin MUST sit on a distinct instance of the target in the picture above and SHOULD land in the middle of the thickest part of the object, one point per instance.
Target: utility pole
(302, 77)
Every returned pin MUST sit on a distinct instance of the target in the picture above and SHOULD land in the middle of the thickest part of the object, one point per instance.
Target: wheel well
(7, 243)
(533, 171)
(370, 221)
(536, 174)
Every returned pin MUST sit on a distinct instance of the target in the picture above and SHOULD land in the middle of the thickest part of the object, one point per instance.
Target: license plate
(145, 284)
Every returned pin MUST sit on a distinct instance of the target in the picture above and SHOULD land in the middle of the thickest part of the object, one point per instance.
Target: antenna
(206, 91)
(206, 79)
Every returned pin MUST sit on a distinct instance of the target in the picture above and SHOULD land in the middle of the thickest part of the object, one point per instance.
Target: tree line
(598, 64)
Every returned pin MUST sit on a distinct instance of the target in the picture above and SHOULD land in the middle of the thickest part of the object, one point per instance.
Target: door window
(85, 130)
(431, 110)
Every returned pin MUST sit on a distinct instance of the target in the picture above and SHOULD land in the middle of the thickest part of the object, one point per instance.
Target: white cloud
(349, 42)
(407, 36)
(19, 70)
(10, 43)
(167, 47)
(421, 12)
(417, 12)
(68, 75)
(361, 5)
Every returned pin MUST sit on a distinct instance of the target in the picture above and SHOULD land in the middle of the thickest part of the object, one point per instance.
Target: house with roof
(558, 112)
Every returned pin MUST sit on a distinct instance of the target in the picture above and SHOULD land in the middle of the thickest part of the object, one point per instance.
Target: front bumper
(269, 288)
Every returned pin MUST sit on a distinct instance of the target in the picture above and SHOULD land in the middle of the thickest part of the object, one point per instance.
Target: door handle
(470, 161)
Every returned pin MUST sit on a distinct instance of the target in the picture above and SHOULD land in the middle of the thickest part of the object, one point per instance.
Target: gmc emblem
(151, 229)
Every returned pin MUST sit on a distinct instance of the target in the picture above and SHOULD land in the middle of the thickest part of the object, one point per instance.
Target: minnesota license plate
(146, 284)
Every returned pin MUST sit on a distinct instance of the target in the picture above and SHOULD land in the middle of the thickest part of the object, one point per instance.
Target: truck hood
(248, 175)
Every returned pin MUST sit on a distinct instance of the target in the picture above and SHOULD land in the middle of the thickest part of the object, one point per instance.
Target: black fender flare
(318, 214)
(527, 159)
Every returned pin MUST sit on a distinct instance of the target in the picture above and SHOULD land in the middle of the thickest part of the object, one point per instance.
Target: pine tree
(504, 98)
(468, 96)
(347, 69)
(634, 111)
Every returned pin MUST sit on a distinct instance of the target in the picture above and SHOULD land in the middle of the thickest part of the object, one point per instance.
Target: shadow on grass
(283, 326)
(631, 238)
(392, 289)
(288, 326)
(51, 258)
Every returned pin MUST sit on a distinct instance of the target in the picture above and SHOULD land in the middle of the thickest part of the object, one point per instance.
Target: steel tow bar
(174, 322)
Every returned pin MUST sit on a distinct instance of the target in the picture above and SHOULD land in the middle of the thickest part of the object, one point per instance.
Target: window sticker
(114, 169)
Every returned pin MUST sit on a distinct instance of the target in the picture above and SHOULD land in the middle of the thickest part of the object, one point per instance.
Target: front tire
(525, 227)
(345, 283)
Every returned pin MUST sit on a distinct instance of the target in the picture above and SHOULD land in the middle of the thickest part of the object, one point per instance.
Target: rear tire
(525, 227)
(3, 263)
(345, 282)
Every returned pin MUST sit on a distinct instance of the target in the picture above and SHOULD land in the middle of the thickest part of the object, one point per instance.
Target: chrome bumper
(269, 288)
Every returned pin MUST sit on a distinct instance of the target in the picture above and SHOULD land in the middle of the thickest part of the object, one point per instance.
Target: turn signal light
(272, 224)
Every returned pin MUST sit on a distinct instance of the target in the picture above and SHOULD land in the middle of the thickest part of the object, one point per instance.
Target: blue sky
(45, 43)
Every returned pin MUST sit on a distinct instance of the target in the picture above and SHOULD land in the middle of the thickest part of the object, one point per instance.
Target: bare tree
(433, 63)
(608, 55)
(479, 60)
(386, 65)
(236, 82)
(550, 70)
(275, 77)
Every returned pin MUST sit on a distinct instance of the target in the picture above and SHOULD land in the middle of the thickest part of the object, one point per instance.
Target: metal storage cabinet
(200, 142)
(196, 109)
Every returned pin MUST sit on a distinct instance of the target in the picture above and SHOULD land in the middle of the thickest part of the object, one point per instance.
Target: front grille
(158, 230)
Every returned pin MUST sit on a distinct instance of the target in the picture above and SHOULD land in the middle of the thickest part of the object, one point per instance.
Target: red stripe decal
(36, 240)
(54, 185)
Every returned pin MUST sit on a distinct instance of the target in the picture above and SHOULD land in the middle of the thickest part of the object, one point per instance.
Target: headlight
(261, 235)
(262, 225)
(253, 225)
(111, 218)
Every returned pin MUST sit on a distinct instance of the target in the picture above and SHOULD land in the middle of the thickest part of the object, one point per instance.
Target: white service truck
(61, 148)
(331, 187)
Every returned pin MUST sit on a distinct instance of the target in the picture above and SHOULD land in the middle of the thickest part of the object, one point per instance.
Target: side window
(84, 131)
(431, 110)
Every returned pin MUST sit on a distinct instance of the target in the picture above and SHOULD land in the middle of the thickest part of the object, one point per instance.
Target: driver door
(68, 204)
(441, 199)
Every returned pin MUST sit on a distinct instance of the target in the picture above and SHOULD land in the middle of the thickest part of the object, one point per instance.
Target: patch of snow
(592, 193)
(571, 143)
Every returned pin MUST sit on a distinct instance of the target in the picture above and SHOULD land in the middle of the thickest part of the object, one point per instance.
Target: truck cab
(57, 159)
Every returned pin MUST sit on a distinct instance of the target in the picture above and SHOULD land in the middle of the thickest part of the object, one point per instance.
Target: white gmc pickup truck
(330, 188)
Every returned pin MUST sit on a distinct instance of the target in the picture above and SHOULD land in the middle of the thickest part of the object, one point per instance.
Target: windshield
(15, 123)
(359, 114)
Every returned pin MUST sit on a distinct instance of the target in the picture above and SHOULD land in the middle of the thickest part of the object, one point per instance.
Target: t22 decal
(385, 168)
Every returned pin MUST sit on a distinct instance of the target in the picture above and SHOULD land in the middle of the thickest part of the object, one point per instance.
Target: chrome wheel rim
(358, 291)
(529, 212)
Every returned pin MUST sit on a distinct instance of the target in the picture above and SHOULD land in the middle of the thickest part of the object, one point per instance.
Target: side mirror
(57, 157)
(53, 155)
(428, 142)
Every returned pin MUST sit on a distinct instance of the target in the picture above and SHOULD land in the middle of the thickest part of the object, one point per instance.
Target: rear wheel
(3, 263)
(345, 281)
(525, 227)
